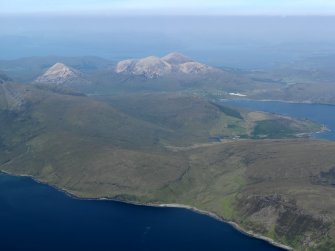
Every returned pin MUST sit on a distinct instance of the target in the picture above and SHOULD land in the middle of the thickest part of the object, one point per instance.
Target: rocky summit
(152, 67)
(176, 58)
(59, 74)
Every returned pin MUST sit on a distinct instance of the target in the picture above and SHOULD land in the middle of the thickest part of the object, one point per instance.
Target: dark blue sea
(36, 217)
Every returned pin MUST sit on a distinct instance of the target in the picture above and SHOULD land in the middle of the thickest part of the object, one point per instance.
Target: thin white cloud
(173, 6)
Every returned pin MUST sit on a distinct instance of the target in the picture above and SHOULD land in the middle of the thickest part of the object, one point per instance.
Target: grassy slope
(268, 186)
(91, 149)
(196, 119)
(69, 140)
(191, 119)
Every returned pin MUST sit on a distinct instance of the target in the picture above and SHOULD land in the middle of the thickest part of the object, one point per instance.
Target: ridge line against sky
(180, 7)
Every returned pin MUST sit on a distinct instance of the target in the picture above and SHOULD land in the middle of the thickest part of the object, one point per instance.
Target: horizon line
(149, 14)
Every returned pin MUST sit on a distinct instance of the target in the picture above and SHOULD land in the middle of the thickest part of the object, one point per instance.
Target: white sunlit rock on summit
(176, 58)
(149, 66)
(59, 74)
(152, 66)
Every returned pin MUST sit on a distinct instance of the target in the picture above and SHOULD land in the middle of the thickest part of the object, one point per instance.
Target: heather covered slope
(41, 127)
(194, 115)
(281, 189)
(71, 140)
(135, 121)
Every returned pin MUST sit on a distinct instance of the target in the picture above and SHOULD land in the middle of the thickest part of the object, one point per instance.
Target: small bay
(320, 113)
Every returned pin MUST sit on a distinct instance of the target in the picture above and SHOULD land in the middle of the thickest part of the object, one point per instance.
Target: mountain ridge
(153, 67)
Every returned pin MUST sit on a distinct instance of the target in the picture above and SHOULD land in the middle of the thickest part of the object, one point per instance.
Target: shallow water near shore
(320, 113)
(37, 217)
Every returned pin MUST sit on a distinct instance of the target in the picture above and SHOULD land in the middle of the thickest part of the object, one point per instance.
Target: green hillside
(172, 148)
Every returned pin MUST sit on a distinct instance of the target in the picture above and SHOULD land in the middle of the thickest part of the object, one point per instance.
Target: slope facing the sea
(174, 149)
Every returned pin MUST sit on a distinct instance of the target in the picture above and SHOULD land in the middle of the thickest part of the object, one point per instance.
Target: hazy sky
(253, 7)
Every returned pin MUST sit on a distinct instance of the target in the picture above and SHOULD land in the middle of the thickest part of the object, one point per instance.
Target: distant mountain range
(300, 81)
(152, 67)
(171, 72)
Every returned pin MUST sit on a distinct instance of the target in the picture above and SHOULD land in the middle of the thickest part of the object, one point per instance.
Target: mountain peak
(57, 74)
(152, 66)
(60, 68)
(176, 58)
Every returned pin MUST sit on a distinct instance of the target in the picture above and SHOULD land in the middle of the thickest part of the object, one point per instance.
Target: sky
(212, 31)
(183, 7)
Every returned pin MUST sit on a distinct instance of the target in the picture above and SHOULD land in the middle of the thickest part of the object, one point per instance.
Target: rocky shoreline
(309, 102)
(172, 205)
(233, 224)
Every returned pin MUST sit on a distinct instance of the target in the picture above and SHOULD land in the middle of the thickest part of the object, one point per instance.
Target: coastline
(308, 102)
(310, 135)
(162, 205)
(231, 223)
